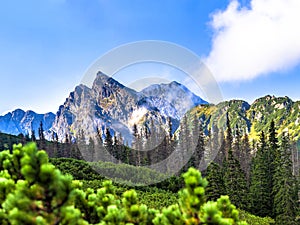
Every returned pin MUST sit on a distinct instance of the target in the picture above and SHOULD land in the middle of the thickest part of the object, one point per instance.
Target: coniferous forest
(261, 178)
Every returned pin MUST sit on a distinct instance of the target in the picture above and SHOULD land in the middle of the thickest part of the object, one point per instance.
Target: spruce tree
(137, 146)
(246, 156)
(170, 144)
(215, 141)
(199, 148)
(41, 132)
(91, 149)
(220, 157)
(272, 160)
(237, 150)
(234, 176)
(82, 146)
(183, 138)
(285, 186)
(228, 137)
(214, 176)
(108, 143)
(33, 137)
(235, 182)
(259, 189)
(100, 151)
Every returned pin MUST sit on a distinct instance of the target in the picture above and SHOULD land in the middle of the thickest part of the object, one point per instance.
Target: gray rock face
(106, 104)
(21, 122)
(173, 99)
(110, 104)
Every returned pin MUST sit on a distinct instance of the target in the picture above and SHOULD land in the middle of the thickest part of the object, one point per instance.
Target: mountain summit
(176, 94)
(21, 122)
(109, 103)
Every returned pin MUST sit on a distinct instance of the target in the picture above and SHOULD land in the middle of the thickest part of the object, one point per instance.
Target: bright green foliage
(170, 215)
(35, 192)
(192, 197)
(151, 196)
(255, 220)
(193, 208)
(100, 206)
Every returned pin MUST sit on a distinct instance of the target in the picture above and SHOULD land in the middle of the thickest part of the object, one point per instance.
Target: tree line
(261, 177)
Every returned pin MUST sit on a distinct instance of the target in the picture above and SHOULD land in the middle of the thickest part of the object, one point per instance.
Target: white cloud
(249, 42)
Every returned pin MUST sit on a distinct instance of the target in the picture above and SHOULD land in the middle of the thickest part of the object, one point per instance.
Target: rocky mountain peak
(18, 114)
(176, 94)
(19, 121)
(102, 80)
(108, 103)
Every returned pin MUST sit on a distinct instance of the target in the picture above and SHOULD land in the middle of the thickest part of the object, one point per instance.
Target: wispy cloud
(250, 42)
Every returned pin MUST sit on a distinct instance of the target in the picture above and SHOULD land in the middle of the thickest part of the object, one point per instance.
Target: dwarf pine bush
(33, 191)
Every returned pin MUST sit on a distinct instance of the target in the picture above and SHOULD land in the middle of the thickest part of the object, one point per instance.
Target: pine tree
(151, 144)
(285, 186)
(137, 146)
(91, 149)
(100, 151)
(236, 147)
(199, 148)
(35, 191)
(184, 143)
(42, 140)
(82, 146)
(27, 137)
(33, 138)
(234, 176)
(246, 156)
(108, 143)
(170, 128)
(220, 156)
(259, 189)
(272, 159)
(215, 141)
(55, 145)
(41, 132)
(295, 158)
(228, 137)
(214, 176)
(209, 142)
(235, 182)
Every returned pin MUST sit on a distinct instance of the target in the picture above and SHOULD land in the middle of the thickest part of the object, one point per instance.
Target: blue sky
(252, 47)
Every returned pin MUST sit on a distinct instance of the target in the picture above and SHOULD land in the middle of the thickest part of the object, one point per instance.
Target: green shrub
(33, 191)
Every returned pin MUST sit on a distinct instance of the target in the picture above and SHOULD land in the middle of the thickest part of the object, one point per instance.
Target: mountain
(254, 118)
(106, 104)
(19, 121)
(177, 95)
(109, 103)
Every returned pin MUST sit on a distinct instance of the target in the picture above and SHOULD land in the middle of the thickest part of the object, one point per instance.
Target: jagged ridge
(21, 122)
